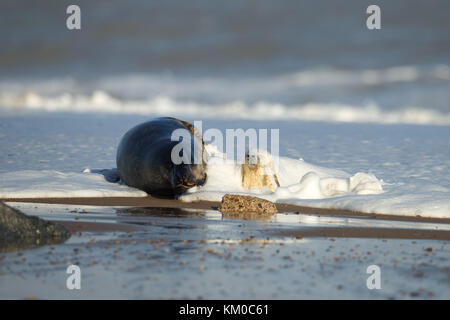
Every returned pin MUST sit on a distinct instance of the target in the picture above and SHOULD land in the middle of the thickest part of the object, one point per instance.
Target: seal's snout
(184, 178)
(201, 182)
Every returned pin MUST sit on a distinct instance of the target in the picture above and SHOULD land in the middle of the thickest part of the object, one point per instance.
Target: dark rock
(18, 231)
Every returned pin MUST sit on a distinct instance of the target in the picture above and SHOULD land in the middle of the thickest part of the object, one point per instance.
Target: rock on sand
(242, 205)
(17, 230)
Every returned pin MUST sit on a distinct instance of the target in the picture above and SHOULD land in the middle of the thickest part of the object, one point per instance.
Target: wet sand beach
(153, 202)
(148, 248)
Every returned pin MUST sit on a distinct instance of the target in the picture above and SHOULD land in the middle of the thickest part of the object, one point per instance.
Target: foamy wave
(282, 95)
(100, 101)
(368, 76)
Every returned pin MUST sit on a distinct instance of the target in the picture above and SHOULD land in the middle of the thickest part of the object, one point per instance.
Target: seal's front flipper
(111, 175)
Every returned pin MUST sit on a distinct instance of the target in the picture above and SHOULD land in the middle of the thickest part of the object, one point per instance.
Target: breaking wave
(264, 98)
(100, 101)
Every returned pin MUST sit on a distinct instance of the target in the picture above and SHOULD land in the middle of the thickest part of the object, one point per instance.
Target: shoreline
(298, 233)
(153, 202)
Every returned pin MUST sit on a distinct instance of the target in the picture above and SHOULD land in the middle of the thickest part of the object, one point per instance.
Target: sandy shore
(168, 249)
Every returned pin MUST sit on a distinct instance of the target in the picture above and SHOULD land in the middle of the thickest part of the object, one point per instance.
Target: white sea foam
(305, 184)
(56, 184)
(101, 101)
(301, 183)
(298, 180)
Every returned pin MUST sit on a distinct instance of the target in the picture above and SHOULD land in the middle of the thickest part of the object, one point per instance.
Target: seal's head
(186, 176)
(191, 171)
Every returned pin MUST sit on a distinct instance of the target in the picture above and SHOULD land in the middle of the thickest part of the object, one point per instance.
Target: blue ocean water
(291, 52)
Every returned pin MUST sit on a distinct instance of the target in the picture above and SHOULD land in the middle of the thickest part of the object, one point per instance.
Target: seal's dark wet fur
(144, 158)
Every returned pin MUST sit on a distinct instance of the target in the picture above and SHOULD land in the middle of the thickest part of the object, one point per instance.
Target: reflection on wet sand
(291, 225)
